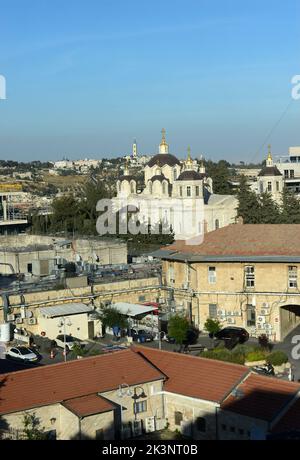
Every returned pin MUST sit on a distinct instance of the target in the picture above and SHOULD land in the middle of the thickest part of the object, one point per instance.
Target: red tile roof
(290, 421)
(88, 405)
(261, 397)
(59, 382)
(245, 240)
(195, 377)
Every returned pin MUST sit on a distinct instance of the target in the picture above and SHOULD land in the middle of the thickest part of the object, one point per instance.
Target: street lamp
(61, 323)
(124, 390)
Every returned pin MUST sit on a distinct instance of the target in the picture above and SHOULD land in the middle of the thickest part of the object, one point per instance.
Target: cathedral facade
(168, 180)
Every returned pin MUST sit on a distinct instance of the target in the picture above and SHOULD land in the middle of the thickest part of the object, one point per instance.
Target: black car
(141, 335)
(191, 337)
(231, 335)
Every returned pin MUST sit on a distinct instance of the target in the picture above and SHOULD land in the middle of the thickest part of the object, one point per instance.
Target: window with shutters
(171, 273)
(251, 315)
(212, 276)
(213, 310)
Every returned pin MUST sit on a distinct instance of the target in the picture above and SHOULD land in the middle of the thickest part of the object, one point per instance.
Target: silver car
(22, 354)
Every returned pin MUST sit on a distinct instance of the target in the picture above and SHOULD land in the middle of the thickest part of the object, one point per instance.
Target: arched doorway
(289, 319)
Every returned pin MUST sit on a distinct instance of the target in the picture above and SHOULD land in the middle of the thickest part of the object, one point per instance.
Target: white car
(70, 342)
(22, 353)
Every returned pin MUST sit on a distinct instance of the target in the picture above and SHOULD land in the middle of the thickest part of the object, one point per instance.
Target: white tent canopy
(132, 309)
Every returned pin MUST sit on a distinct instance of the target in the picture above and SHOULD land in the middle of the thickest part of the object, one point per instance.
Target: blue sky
(86, 77)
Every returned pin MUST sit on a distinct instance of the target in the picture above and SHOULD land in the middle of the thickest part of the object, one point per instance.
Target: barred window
(249, 276)
(293, 276)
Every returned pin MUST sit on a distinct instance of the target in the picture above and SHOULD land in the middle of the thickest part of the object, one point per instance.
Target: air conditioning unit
(31, 321)
(268, 327)
(221, 313)
(161, 301)
(11, 317)
(185, 286)
(137, 427)
(264, 312)
(150, 424)
(29, 314)
(261, 320)
(230, 320)
(260, 326)
(265, 305)
(19, 320)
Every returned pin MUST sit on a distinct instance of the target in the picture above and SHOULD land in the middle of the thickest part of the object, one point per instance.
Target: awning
(131, 309)
(65, 310)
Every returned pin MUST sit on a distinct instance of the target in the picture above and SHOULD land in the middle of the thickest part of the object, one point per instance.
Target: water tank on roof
(5, 335)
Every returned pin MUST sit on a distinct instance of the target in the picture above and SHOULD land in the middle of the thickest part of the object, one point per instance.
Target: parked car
(191, 338)
(232, 335)
(141, 335)
(70, 342)
(22, 354)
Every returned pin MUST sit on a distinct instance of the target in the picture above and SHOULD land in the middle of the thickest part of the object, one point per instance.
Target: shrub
(277, 358)
(212, 326)
(264, 342)
(221, 354)
(256, 355)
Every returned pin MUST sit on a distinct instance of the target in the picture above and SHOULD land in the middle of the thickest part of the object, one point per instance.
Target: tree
(112, 318)
(212, 326)
(269, 212)
(178, 327)
(248, 207)
(290, 208)
(32, 428)
(220, 174)
(66, 216)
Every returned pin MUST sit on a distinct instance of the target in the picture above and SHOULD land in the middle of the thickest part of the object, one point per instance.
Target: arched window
(188, 191)
(132, 187)
(178, 416)
(164, 188)
(217, 224)
(174, 173)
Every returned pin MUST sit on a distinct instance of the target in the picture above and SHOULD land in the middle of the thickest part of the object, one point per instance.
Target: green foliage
(222, 354)
(212, 326)
(256, 355)
(264, 342)
(248, 207)
(111, 317)
(220, 174)
(269, 212)
(32, 428)
(177, 328)
(290, 208)
(277, 358)
(262, 209)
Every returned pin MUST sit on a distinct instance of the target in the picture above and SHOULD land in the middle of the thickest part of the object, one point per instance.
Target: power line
(272, 129)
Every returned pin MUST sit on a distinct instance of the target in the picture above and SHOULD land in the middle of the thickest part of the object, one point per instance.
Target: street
(102, 345)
